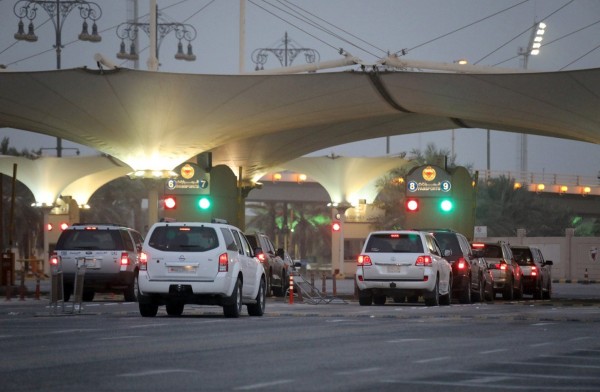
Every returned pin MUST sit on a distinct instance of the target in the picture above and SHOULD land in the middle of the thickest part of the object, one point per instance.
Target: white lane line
(156, 372)
(437, 359)
(541, 344)
(502, 387)
(579, 338)
(404, 340)
(123, 337)
(562, 365)
(73, 331)
(498, 350)
(526, 375)
(357, 371)
(262, 385)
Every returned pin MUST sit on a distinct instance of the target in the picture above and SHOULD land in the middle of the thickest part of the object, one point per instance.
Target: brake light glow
(364, 260)
(124, 258)
(423, 261)
(478, 245)
(223, 262)
(261, 257)
(54, 259)
(461, 263)
(533, 271)
(394, 235)
(143, 261)
(500, 266)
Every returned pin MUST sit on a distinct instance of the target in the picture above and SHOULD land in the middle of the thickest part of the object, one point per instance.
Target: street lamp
(58, 10)
(129, 31)
(532, 49)
(286, 53)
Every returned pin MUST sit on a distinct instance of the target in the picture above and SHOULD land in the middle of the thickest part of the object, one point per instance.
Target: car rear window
(184, 238)
(492, 251)
(88, 239)
(523, 256)
(448, 241)
(394, 243)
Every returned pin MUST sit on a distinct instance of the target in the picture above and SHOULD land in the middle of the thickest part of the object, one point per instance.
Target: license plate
(394, 268)
(184, 269)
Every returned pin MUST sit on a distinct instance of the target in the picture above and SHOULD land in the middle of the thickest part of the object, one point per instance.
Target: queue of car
(214, 263)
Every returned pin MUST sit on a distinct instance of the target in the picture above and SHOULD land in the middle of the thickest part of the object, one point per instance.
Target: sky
(484, 32)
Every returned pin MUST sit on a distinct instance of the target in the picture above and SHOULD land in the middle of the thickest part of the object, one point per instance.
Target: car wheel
(67, 290)
(88, 295)
(258, 309)
(447, 298)
(508, 293)
(379, 300)
(175, 308)
(148, 309)
(538, 292)
(432, 298)
(268, 287)
(280, 291)
(465, 294)
(234, 309)
(130, 293)
(490, 295)
(365, 297)
(480, 294)
(519, 291)
(548, 293)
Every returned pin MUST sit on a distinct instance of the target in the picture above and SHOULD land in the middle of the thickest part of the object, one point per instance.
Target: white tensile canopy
(155, 121)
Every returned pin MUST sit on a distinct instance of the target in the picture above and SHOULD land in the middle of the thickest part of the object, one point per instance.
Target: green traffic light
(204, 203)
(446, 205)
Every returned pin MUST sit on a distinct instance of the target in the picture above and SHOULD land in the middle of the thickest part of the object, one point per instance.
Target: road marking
(579, 338)
(563, 365)
(262, 385)
(437, 359)
(405, 340)
(157, 372)
(498, 350)
(122, 337)
(351, 372)
(541, 344)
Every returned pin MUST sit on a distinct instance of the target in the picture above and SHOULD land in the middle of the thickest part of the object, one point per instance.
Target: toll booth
(441, 198)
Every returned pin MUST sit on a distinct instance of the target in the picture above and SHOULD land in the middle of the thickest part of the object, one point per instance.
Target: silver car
(403, 264)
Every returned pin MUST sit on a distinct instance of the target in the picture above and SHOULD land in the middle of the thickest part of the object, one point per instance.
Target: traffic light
(336, 226)
(204, 203)
(412, 205)
(446, 205)
(170, 202)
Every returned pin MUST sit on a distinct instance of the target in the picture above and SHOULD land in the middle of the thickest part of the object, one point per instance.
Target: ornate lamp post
(128, 31)
(58, 10)
(286, 53)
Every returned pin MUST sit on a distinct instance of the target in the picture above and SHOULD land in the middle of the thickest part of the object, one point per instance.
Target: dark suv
(471, 280)
(277, 266)
(508, 276)
(110, 254)
(537, 278)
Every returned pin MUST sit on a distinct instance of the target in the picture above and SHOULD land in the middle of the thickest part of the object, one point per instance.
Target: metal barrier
(78, 285)
(57, 289)
(307, 292)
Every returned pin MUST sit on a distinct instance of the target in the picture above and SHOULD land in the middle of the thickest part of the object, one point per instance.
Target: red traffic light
(169, 202)
(412, 205)
(336, 226)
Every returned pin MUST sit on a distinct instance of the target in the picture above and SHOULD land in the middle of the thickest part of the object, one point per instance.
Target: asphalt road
(520, 345)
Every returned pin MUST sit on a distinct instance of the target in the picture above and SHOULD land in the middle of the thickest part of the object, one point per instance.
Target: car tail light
(143, 261)
(54, 259)
(223, 263)
(423, 261)
(124, 258)
(500, 266)
(261, 257)
(363, 260)
(461, 263)
(478, 245)
(533, 271)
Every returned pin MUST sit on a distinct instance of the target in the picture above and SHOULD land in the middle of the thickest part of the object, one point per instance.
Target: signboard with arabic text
(428, 180)
(191, 179)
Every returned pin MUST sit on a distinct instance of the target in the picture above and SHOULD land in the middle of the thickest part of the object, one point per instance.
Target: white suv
(199, 263)
(403, 264)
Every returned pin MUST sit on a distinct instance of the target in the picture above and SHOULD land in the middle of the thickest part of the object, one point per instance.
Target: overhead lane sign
(428, 180)
(191, 179)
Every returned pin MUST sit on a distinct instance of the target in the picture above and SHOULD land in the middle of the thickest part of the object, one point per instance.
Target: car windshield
(90, 240)
(449, 241)
(395, 243)
(492, 251)
(523, 256)
(184, 239)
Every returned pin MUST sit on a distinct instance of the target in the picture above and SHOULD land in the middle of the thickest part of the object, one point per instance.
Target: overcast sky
(485, 32)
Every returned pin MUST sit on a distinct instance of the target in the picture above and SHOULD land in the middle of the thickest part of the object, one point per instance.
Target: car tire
(365, 298)
(538, 292)
(175, 308)
(447, 298)
(548, 293)
(508, 294)
(130, 294)
(491, 296)
(379, 300)
(234, 309)
(258, 309)
(432, 298)
(67, 291)
(88, 295)
(479, 295)
(519, 291)
(280, 291)
(148, 309)
(465, 294)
